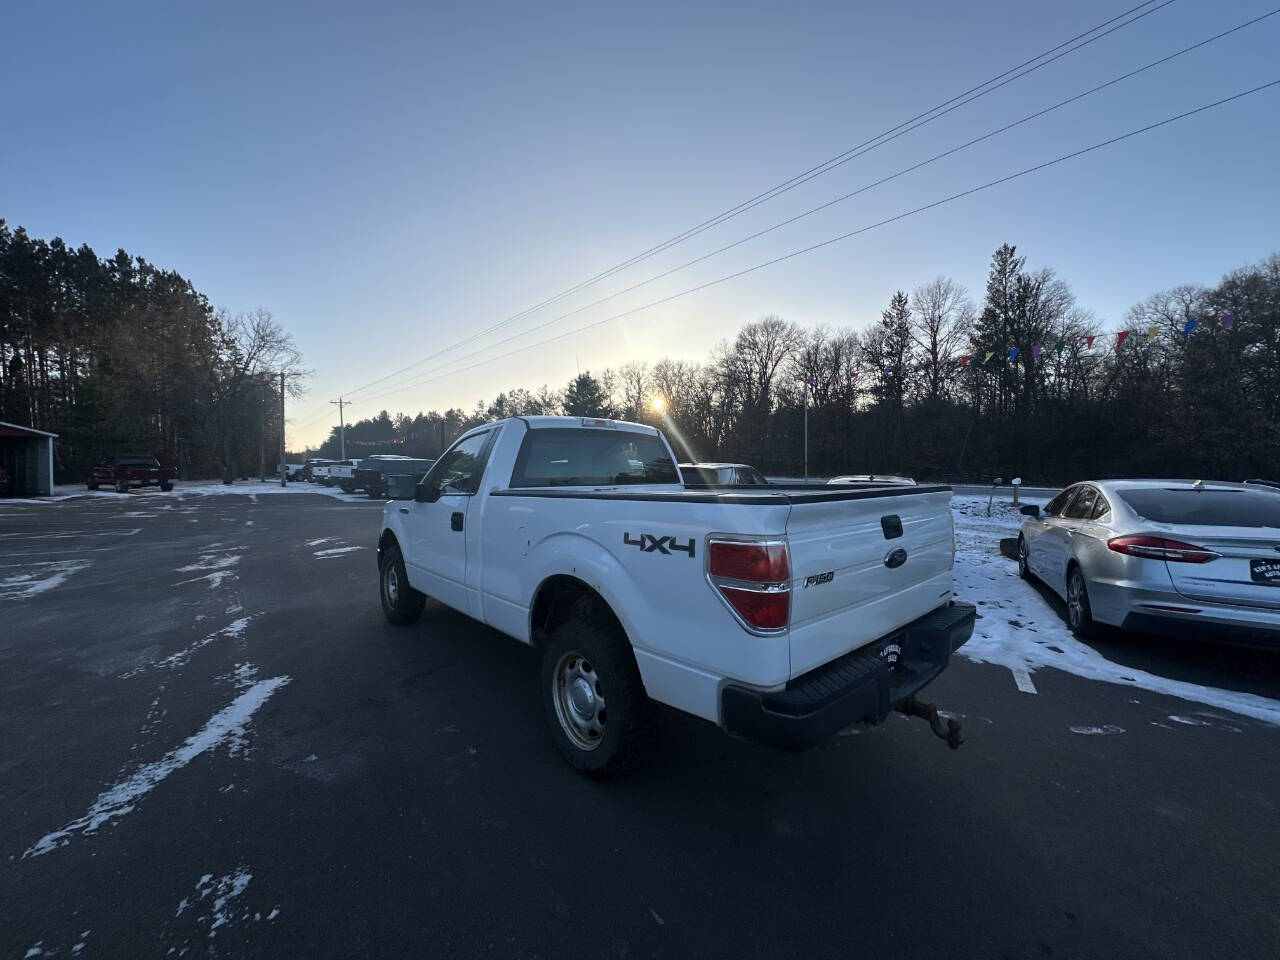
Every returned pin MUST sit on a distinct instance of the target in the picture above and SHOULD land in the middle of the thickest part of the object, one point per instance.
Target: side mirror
(1030, 510)
(401, 488)
(427, 491)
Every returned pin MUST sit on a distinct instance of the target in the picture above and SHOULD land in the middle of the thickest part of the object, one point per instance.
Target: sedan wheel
(1024, 570)
(1079, 613)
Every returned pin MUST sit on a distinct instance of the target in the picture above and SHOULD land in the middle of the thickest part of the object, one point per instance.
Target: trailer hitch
(948, 731)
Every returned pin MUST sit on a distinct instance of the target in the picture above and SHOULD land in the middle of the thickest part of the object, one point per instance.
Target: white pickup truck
(784, 613)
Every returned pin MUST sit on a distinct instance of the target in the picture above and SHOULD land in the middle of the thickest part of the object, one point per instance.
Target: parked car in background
(308, 469)
(721, 475)
(371, 476)
(320, 474)
(131, 470)
(293, 471)
(892, 479)
(343, 474)
(783, 614)
(1197, 559)
(1269, 484)
(6, 483)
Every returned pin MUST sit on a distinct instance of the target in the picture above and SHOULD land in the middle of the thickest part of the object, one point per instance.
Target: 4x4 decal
(648, 543)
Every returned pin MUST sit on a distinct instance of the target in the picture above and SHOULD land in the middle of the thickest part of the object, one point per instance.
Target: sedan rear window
(564, 458)
(1207, 508)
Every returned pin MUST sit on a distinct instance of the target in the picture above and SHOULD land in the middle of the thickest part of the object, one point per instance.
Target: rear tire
(122, 486)
(91, 485)
(1079, 612)
(166, 487)
(401, 604)
(600, 717)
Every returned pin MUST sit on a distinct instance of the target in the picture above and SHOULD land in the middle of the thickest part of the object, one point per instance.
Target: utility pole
(806, 431)
(284, 469)
(262, 436)
(342, 428)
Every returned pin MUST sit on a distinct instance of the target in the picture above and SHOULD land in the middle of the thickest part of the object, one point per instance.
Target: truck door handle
(455, 521)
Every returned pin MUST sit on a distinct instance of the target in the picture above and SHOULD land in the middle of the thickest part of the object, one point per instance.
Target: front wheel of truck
(401, 604)
(600, 717)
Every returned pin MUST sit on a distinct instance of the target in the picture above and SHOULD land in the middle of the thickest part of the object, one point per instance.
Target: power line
(872, 185)
(906, 126)
(844, 236)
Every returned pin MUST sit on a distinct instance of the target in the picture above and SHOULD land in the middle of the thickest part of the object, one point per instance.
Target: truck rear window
(598, 458)
(1207, 508)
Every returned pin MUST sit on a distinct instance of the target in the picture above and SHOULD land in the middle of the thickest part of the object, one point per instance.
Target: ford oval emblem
(895, 558)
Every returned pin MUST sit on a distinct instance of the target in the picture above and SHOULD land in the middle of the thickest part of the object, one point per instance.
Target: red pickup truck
(131, 470)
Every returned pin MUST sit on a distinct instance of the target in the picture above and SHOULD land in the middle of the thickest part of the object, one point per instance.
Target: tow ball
(948, 730)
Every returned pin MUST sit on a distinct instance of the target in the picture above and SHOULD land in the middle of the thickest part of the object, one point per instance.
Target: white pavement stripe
(1023, 680)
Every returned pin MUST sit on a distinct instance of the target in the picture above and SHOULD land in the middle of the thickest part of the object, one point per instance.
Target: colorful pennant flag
(1013, 353)
(1189, 326)
(1035, 351)
(1088, 342)
(1121, 337)
(1153, 332)
(1227, 321)
(987, 358)
(964, 361)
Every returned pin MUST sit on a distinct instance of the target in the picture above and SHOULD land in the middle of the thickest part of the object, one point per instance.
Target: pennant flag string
(1121, 337)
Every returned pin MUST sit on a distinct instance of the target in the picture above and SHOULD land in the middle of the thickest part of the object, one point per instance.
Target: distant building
(27, 456)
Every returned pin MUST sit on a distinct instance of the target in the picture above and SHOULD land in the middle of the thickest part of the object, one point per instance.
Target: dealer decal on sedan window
(648, 543)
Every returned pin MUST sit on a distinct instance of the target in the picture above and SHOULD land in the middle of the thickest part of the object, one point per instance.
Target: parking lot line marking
(1023, 680)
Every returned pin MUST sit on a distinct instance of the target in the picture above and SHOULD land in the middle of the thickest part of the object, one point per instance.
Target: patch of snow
(1104, 731)
(35, 950)
(211, 561)
(320, 540)
(39, 577)
(275, 912)
(1017, 629)
(234, 629)
(121, 798)
(335, 551)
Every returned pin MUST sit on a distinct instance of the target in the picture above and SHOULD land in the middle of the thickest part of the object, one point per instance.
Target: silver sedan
(1165, 556)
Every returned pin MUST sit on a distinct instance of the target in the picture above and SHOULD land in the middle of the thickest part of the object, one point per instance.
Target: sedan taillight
(1161, 548)
(754, 578)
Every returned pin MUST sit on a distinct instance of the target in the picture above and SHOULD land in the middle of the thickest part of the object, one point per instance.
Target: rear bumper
(1244, 633)
(860, 687)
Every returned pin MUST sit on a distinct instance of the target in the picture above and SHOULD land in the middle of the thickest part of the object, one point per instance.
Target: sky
(392, 178)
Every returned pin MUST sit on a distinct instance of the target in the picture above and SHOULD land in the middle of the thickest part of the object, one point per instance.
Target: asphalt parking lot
(212, 744)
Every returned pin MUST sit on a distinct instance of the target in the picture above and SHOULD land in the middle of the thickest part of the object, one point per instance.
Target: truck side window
(460, 469)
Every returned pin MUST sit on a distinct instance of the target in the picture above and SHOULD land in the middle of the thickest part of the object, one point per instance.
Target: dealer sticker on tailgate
(1265, 571)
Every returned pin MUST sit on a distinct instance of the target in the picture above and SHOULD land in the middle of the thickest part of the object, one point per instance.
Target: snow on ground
(1019, 630)
(36, 577)
(121, 798)
(223, 890)
(233, 629)
(335, 551)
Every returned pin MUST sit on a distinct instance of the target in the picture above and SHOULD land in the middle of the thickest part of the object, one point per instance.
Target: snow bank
(1019, 630)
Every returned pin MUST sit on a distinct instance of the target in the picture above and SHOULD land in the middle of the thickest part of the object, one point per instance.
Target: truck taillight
(754, 578)
(1161, 548)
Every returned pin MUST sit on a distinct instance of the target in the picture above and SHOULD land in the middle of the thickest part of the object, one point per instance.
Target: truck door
(437, 528)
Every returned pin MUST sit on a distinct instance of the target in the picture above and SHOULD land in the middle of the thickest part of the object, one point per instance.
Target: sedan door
(1042, 536)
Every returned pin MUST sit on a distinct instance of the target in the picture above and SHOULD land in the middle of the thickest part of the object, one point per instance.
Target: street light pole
(284, 468)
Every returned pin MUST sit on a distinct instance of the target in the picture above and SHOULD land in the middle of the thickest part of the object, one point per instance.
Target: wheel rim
(1075, 599)
(391, 585)
(1022, 555)
(579, 702)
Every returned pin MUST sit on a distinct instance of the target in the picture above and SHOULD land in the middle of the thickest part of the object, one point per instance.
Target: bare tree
(251, 348)
(940, 322)
(633, 389)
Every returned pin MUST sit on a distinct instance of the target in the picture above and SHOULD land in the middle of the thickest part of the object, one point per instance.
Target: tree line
(119, 355)
(1023, 382)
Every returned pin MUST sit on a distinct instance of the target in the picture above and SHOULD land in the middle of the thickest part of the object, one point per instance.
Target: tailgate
(856, 578)
(1244, 574)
